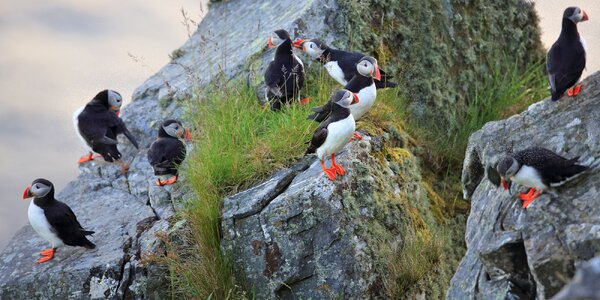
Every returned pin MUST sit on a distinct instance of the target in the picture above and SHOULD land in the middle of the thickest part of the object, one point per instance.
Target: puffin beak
(27, 193)
(585, 16)
(188, 135)
(377, 73)
(505, 184)
(118, 113)
(355, 98)
(298, 43)
(270, 43)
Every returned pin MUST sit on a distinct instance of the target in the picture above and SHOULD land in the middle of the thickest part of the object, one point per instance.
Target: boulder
(300, 235)
(532, 253)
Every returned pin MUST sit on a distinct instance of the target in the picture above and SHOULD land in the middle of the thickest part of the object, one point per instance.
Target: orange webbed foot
(169, 181)
(357, 136)
(86, 158)
(529, 197)
(46, 257)
(329, 172)
(340, 170)
(574, 91)
(47, 252)
(305, 101)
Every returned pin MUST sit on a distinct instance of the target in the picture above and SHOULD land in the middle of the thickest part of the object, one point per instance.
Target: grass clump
(240, 143)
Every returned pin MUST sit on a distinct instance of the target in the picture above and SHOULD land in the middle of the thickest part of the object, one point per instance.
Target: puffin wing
(118, 126)
(273, 79)
(65, 224)
(553, 167)
(318, 138)
(166, 153)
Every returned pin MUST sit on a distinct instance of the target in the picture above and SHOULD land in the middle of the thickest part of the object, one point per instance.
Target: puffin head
(174, 128)
(110, 99)
(277, 38)
(507, 167)
(39, 188)
(344, 98)
(575, 14)
(367, 66)
(314, 48)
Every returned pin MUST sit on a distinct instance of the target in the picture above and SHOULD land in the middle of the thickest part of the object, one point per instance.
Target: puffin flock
(98, 124)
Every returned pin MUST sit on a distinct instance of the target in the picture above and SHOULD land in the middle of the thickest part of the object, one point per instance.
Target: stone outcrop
(533, 253)
(300, 235)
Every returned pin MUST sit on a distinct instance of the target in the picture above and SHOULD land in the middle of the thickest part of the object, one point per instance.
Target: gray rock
(300, 235)
(541, 247)
(584, 285)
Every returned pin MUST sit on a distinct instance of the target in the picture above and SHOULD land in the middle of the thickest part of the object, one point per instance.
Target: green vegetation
(241, 143)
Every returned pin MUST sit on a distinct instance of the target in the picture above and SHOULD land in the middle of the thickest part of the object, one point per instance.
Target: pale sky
(56, 55)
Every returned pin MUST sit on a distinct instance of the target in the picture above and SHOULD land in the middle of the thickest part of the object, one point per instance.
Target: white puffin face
(115, 101)
(312, 49)
(578, 15)
(39, 189)
(365, 68)
(347, 99)
(175, 130)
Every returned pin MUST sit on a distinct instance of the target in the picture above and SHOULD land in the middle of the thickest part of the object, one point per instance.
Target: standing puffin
(53, 220)
(363, 85)
(333, 133)
(537, 168)
(98, 124)
(566, 58)
(340, 65)
(167, 152)
(284, 76)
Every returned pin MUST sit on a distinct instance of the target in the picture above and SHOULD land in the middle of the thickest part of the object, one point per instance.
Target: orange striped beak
(27, 193)
(270, 43)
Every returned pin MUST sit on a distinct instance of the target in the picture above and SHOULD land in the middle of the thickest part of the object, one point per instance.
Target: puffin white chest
(338, 134)
(40, 224)
(336, 72)
(366, 99)
(76, 125)
(529, 177)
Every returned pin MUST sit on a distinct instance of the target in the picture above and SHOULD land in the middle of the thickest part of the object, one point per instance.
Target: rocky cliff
(319, 238)
(524, 254)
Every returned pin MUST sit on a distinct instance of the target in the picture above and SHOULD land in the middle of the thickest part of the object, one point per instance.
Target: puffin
(333, 133)
(284, 76)
(98, 123)
(566, 58)
(537, 168)
(340, 64)
(168, 151)
(53, 220)
(362, 84)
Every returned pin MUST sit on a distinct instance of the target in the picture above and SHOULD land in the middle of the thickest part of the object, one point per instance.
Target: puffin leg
(86, 158)
(357, 135)
(331, 173)
(338, 169)
(529, 197)
(124, 168)
(305, 101)
(574, 91)
(47, 257)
